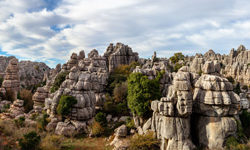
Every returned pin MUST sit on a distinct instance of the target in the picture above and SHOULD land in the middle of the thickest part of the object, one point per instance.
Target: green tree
(58, 81)
(65, 104)
(177, 56)
(141, 91)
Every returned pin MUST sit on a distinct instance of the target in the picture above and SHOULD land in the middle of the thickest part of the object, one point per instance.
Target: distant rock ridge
(31, 73)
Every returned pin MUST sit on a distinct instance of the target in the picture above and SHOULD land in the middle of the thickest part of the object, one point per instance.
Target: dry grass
(56, 142)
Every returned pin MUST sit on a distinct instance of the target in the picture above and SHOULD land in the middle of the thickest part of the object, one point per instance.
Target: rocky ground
(184, 102)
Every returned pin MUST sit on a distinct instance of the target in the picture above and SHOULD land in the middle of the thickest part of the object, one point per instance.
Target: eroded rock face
(11, 80)
(39, 99)
(171, 116)
(16, 108)
(214, 103)
(31, 73)
(86, 82)
(119, 55)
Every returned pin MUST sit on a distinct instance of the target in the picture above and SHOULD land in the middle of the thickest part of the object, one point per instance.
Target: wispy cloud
(49, 30)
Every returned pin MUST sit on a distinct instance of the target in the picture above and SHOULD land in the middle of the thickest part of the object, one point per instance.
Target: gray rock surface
(119, 54)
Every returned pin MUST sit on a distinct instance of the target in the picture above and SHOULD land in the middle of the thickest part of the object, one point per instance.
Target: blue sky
(50, 30)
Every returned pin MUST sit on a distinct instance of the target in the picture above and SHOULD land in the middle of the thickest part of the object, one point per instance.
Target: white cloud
(31, 29)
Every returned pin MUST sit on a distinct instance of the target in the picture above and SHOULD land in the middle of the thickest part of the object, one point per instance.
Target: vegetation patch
(58, 81)
(26, 96)
(65, 104)
(141, 91)
(30, 141)
(144, 142)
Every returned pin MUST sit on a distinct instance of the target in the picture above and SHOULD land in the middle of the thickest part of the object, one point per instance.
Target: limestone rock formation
(39, 99)
(119, 142)
(171, 116)
(16, 108)
(11, 80)
(86, 82)
(119, 54)
(32, 73)
(214, 103)
(4, 61)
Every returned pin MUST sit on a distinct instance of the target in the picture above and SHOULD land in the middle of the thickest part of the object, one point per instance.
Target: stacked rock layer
(11, 80)
(171, 116)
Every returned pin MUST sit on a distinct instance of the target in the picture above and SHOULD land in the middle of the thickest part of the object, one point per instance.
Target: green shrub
(42, 122)
(130, 123)
(122, 109)
(109, 107)
(230, 79)
(1, 81)
(115, 108)
(65, 104)
(58, 81)
(141, 91)
(26, 96)
(245, 87)
(231, 142)
(34, 116)
(100, 117)
(30, 141)
(120, 92)
(144, 142)
(245, 122)
(176, 58)
(119, 75)
(177, 66)
(5, 108)
(237, 89)
(20, 122)
(97, 129)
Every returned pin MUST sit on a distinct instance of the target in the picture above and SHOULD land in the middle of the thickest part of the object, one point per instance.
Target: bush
(141, 91)
(109, 107)
(1, 81)
(97, 129)
(58, 81)
(120, 92)
(176, 58)
(144, 142)
(100, 117)
(230, 79)
(177, 66)
(52, 142)
(122, 108)
(245, 121)
(231, 142)
(26, 96)
(237, 89)
(30, 141)
(10, 95)
(245, 87)
(114, 108)
(130, 123)
(42, 122)
(65, 104)
(5, 108)
(119, 75)
(20, 122)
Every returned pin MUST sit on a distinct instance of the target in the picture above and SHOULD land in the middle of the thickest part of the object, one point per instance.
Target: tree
(177, 56)
(65, 104)
(141, 91)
